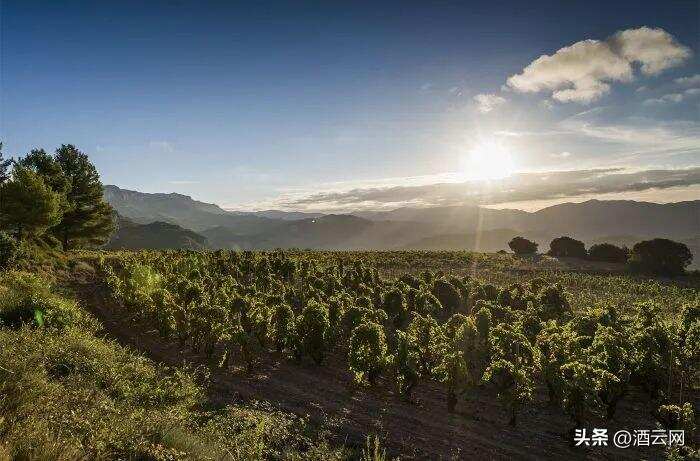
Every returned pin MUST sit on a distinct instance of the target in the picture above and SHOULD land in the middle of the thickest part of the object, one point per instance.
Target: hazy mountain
(155, 235)
(587, 220)
(181, 210)
(596, 218)
(456, 227)
(279, 214)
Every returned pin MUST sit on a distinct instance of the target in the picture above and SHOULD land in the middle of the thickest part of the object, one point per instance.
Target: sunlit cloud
(487, 102)
(583, 71)
(551, 185)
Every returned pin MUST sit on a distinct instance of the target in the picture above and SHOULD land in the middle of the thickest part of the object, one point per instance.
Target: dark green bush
(522, 246)
(660, 257)
(567, 247)
(607, 252)
(9, 250)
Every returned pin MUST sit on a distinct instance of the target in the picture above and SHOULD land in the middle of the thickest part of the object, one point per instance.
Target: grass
(66, 393)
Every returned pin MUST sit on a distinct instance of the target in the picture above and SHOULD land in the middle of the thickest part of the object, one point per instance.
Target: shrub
(9, 250)
(611, 351)
(553, 303)
(522, 246)
(512, 368)
(660, 257)
(405, 365)
(607, 252)
(313, 329)
(427, 336)
(368, 349)
(426, 303)
(447, 295)
(395, 306)
(582, 386)
(567, 247)
(283, 326)
(27, 300)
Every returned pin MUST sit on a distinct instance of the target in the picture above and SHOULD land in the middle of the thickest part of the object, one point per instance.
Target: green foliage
(607, 252)
(427, 337)
(447, 294)
(582, 385)
(522, 246)
(612, 352)
(395, 306)
(9, 250)
(29, 206)
(513, 364)
(553, 303)
(67, 394)
(405, 365)
(368, 352)
(313, 329)
(660, 256)
(88, 219)
(426, 303)
(283, 324)
(567, 247)
(26, 299)
(654, 342)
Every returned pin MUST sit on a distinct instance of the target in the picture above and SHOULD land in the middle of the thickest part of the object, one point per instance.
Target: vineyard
(594, 350)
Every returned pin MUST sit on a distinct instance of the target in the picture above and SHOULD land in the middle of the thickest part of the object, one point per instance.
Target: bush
(566, 247)
(395, 306)
(607, 252)
(660, 257)
(367, 352)
(313, 329)
(522, 246)
(9, 250)
(26, 300)
(447, 295)
(405, 365)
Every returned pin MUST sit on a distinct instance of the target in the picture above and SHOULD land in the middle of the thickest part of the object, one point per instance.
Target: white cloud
(564, 154)
(582, 72)
(692, 80)
(655, 49)
(673, 97)
(488, 102)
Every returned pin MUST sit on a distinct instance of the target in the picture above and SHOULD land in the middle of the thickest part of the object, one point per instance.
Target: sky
(341, 106)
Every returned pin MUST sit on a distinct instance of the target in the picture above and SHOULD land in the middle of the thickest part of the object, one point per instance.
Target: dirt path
(419, 430)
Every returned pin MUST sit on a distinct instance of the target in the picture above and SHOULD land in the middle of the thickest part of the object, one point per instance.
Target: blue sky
(318, 105)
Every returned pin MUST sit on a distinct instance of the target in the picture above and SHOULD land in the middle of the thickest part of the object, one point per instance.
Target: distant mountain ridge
(155, 235)
(454, 227)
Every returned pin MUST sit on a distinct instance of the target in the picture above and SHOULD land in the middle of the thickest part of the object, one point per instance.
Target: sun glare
(488, 160)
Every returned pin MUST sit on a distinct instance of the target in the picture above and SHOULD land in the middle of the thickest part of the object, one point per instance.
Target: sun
(488, 160)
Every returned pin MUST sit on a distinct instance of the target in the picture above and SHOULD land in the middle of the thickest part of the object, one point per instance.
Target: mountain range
(455, 227)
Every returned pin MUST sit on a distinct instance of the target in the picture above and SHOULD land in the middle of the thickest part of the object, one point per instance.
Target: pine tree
(30, 206)
(88, 219)
(4, 168)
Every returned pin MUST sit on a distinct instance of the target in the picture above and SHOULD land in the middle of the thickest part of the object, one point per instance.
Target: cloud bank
(520, 187)
(583, 72)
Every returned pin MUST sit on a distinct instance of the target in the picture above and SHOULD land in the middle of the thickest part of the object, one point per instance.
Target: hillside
(455, 227)
(155, 235)
(181, 210)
